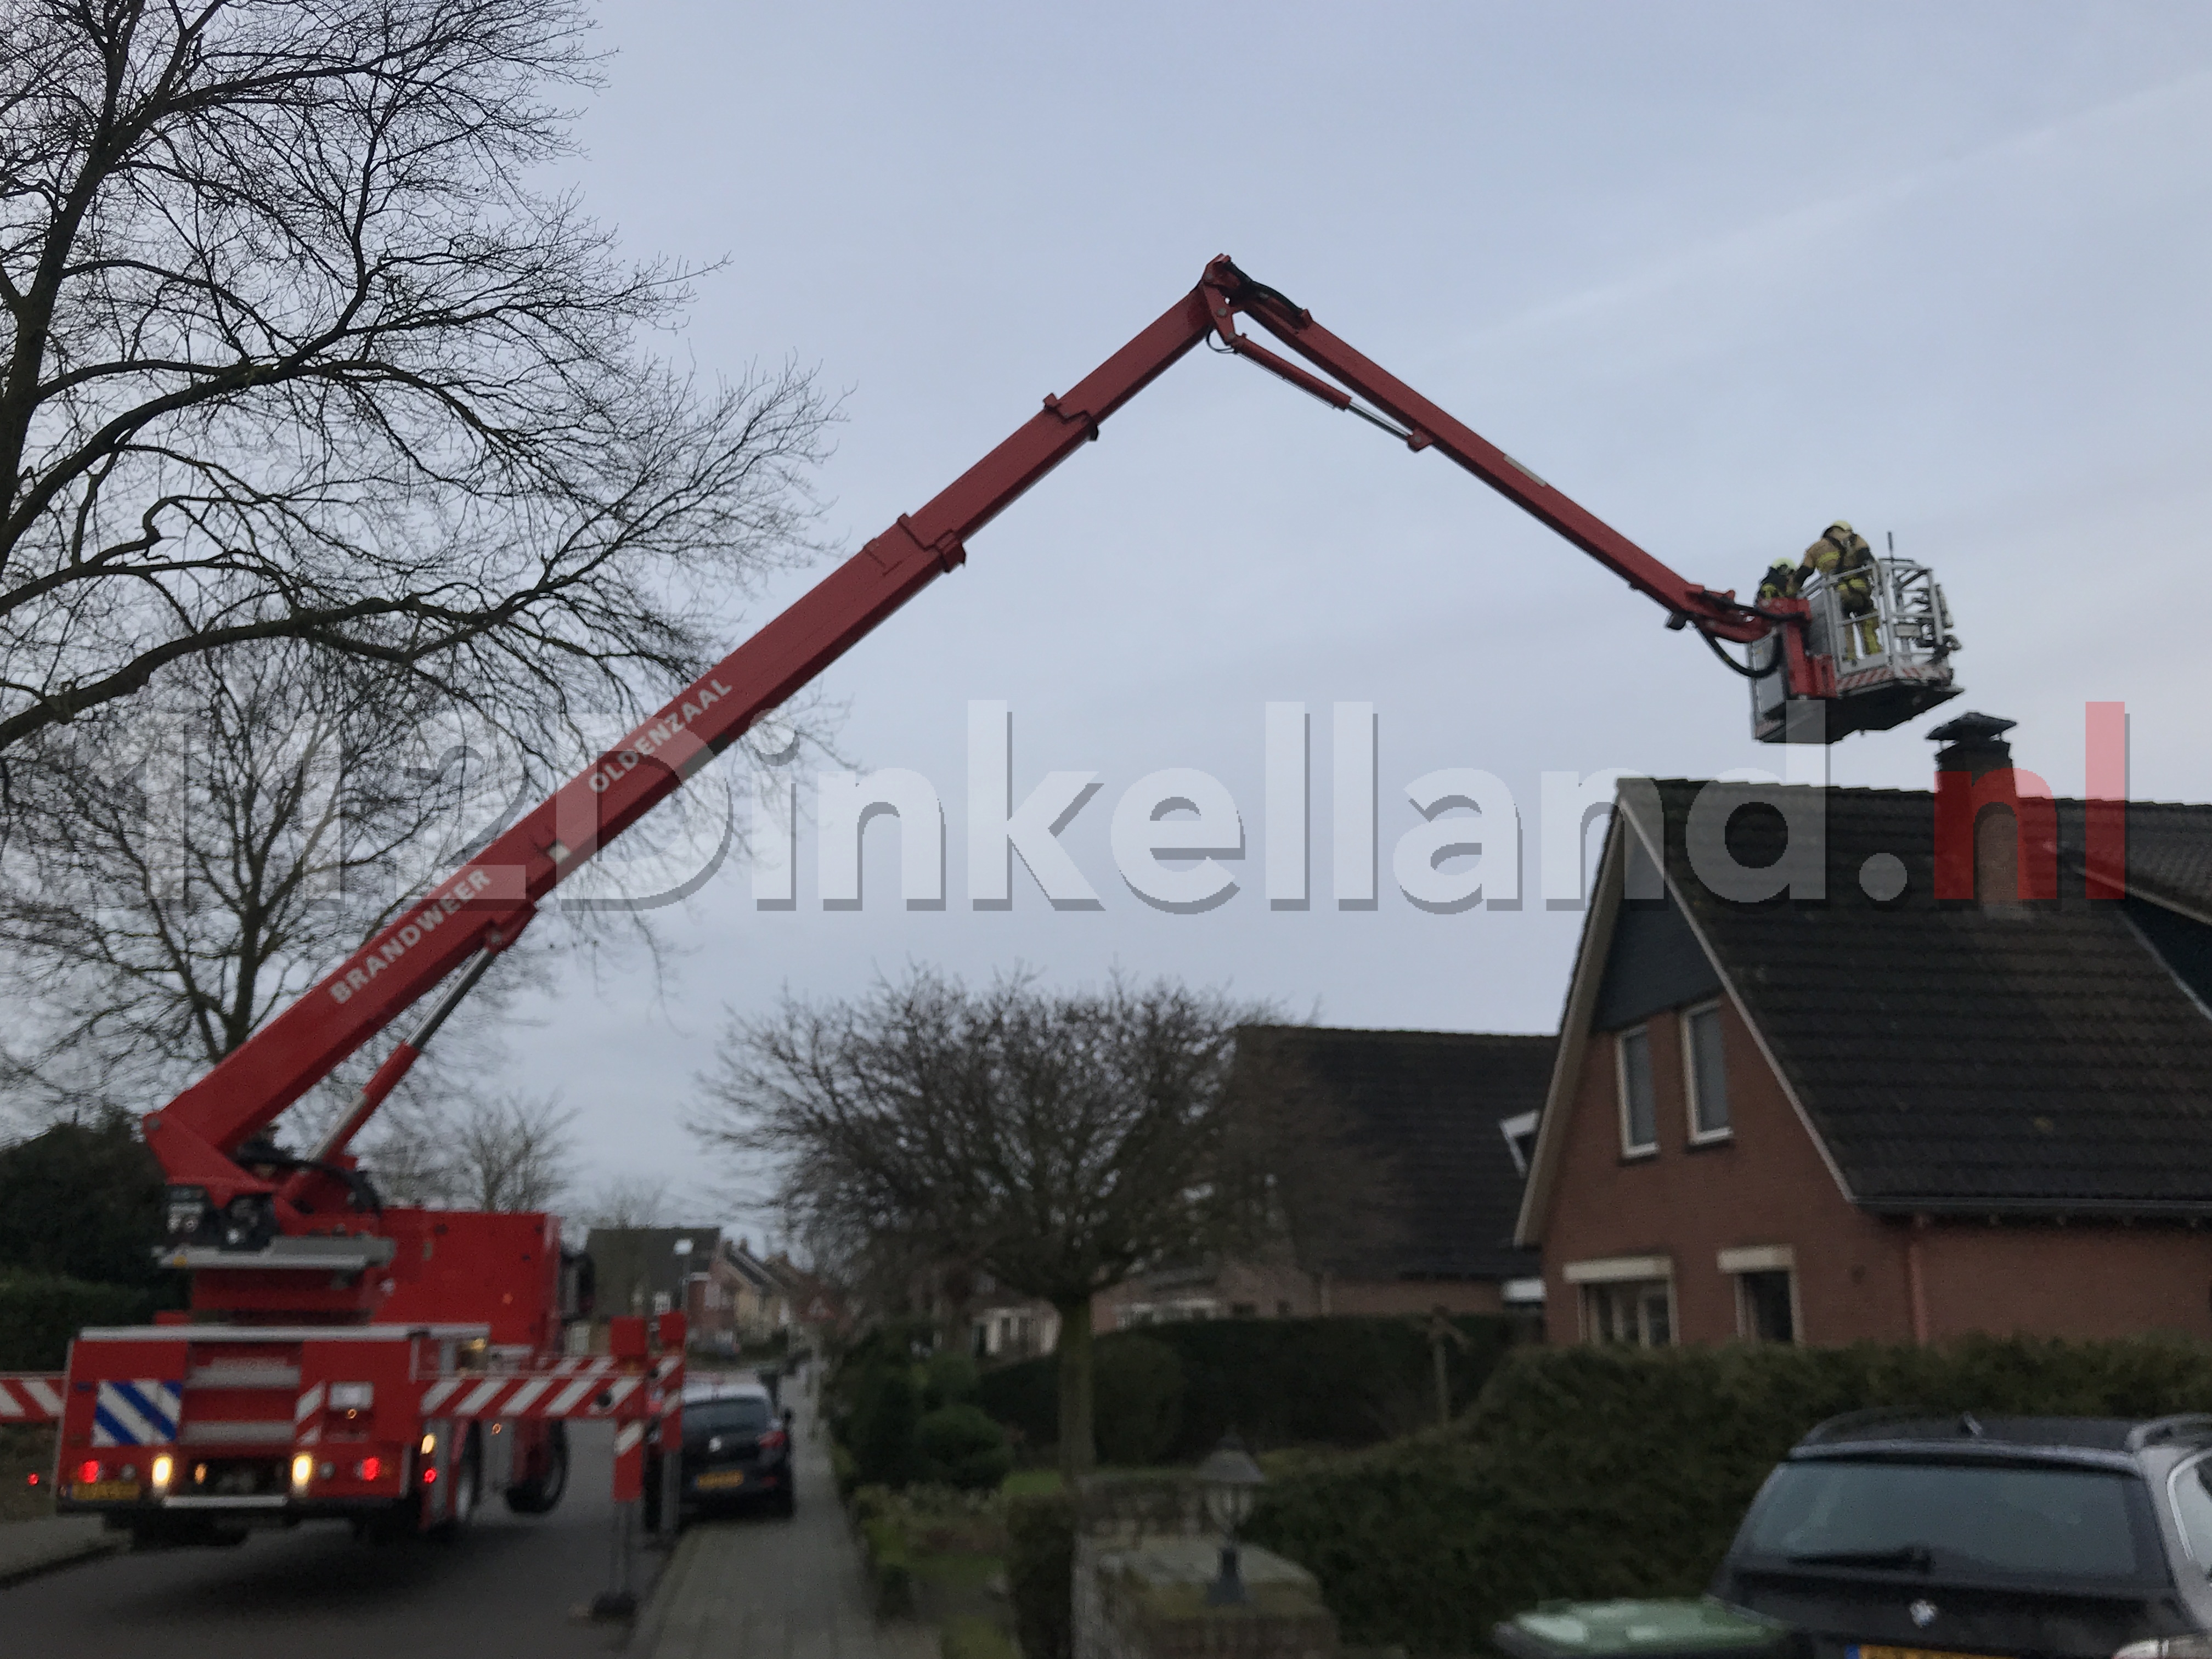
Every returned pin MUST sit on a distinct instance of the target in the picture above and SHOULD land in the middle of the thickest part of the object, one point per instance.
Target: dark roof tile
(1427, 1105)
(2042, 1056)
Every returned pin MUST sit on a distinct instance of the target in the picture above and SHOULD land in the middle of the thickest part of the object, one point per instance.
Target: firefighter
(1843, 557)
(1781, 580)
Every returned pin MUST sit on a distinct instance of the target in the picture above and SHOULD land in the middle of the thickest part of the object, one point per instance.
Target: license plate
(720, 1481)
(104, 1491)
(1870, 1651)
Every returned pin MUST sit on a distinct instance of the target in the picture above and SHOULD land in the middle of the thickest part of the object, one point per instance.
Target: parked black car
(1884, 1536)
(737, 1451)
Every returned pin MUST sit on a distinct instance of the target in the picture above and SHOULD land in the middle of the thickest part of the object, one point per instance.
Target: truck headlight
(164, 1466)
(303, 1471)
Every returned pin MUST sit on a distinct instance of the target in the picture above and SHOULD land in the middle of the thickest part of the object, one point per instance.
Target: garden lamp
(1229, 1480)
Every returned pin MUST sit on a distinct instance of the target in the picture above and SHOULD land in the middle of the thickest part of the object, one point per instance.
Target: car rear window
(745, 1414)
(2052, 1526)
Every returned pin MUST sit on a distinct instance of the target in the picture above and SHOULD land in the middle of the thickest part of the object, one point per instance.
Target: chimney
(1974, 745)
(1974, 748)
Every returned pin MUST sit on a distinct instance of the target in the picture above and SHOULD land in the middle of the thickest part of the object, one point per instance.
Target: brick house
(1442, 1123)
(657, 1270)
(1880, 1113)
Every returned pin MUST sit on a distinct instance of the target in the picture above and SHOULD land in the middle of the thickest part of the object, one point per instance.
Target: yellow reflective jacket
(1847, 562)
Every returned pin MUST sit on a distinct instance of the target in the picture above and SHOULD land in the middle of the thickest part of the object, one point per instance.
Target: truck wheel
(468, 1482)
(540, 1493)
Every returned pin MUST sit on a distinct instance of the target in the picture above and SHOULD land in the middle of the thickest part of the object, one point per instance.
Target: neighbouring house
(763, 1292)
(1438, 1124)
(658, 1270)
(1951, 1093)
(1002, 1325)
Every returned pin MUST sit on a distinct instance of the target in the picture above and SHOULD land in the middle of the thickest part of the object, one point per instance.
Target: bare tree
(182, 865)
(628, 1200)
(1063, 1142)
(512, 1152)
(289, 349)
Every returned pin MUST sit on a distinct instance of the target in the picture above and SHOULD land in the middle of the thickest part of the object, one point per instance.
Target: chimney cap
(1971, 728)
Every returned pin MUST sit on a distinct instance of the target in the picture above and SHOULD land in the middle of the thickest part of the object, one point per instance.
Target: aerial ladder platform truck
(348, 1359)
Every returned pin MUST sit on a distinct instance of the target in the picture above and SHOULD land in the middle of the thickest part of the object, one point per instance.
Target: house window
(1638, 1312)
(1625, 1298)
(1765, 1306)
(1706, 1072)
(1640, 1117)
(1765, 1291)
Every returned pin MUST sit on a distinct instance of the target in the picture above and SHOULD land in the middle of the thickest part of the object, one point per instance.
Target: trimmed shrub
(950, 1379)
(1040, 1570)
(1346, 1382)
(961, 1446)
(886, 1407)
(40, 1312)
(1140, 1401)
(1590, 1473)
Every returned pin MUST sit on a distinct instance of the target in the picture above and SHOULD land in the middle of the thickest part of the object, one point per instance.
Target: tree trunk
(1078, 1453)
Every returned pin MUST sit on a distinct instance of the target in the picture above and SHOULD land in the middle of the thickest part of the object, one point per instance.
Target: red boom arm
(485, 907)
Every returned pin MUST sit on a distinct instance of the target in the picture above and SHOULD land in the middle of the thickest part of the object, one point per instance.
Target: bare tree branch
(289, 351)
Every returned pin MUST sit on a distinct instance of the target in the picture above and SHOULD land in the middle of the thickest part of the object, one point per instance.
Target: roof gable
(2041, 1058)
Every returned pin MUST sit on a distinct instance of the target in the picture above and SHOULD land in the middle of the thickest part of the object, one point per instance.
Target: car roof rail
(1835, 1426)
(2169, 1428)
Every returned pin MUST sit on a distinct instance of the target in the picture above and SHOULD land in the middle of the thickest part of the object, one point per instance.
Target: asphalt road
(508, 1587)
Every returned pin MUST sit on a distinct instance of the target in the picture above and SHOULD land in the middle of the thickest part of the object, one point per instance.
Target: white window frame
(1620, 1040)
(1515, 1129)
(1727, 1131)
(1666, 1282)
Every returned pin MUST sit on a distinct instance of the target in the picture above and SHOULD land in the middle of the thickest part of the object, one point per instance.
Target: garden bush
(960, 1446)
(40, 1312)
(950, 1378)
(885, 1410)
(1348, 1383)
(1600, 1472)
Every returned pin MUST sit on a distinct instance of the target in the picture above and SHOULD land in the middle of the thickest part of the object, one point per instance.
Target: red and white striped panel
(31, 1399)
(583, 1365)
(307, 1417)
(534, 1394)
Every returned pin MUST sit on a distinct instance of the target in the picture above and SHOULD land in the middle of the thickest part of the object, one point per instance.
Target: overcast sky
(1723, 273)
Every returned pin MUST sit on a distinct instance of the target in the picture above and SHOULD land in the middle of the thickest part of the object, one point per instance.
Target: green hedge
(1346, 1382)
(1603, 1472)
(40, 1312)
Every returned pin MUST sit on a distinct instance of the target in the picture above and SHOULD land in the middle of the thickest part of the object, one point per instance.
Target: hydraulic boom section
(1815, 676)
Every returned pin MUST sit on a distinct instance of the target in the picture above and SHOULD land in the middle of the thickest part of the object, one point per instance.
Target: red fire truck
(392, 1367)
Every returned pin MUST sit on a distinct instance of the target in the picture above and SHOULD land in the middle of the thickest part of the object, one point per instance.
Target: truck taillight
(88, 1471)
(369, 1469)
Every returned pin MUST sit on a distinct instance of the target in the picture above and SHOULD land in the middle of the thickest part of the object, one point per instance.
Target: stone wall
(1144, 1554)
